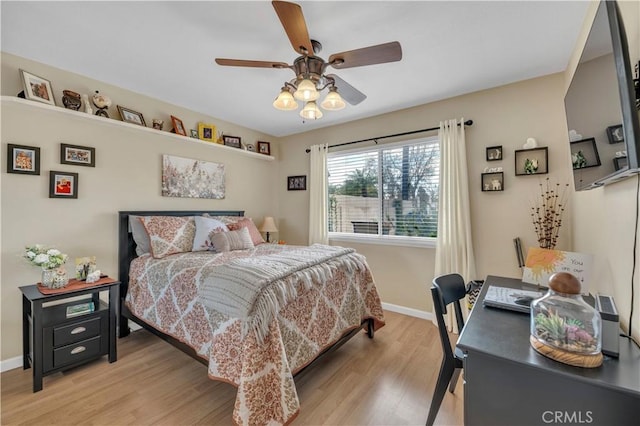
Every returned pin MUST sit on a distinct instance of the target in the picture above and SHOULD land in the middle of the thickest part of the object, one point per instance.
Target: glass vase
(48, 276)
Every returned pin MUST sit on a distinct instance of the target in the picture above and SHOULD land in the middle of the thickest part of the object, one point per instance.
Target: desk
(506, 382)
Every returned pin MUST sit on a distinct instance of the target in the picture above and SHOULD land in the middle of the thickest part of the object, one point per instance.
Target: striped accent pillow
(232, 240)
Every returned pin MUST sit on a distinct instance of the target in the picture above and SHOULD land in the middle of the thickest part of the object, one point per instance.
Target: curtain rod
(466, 123)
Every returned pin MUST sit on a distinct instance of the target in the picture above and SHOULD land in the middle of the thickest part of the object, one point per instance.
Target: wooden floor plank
(385, 381)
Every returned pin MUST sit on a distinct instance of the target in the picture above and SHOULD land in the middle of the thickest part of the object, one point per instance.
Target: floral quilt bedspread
(164, 293)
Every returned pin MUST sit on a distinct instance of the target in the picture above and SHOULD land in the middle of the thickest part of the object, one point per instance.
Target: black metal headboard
(127, 247)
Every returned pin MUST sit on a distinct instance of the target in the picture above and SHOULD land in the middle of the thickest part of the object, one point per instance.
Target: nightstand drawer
(77, 331)
(79, 351)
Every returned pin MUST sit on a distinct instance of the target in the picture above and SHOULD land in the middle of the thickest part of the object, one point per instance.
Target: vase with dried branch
(547, 212)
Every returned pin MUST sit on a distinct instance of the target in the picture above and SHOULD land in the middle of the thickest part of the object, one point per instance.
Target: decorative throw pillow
(246, 222)
(169, 234)
(232, 240)
(224, 219)
(140, 235)
(205, 228)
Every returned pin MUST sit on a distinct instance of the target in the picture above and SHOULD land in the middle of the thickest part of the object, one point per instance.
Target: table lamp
(268, 226)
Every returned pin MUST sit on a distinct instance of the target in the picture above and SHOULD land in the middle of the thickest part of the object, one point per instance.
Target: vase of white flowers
(51, 261)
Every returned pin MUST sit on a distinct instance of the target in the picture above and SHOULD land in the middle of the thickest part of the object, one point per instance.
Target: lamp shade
(333, 101)
(268, 225)
(311, 111)
(306, 91)
(285, 101)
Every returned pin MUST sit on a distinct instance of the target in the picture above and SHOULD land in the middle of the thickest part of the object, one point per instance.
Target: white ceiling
(166, 50)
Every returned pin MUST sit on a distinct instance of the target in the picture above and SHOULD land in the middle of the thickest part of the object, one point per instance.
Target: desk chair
(446, 289)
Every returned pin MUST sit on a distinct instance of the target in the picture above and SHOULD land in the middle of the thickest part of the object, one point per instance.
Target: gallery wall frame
(63, 184)
(297, 183)
(37, 88)
(620, 163)
(77, 155)
(533, 161)
(23, 159)
(232, 141)
(130, 116)
(615, 134)
(494, 153)
(584, 154)
(492, 182)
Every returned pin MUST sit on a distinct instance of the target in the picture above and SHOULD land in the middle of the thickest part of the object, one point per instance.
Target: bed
(309, 301)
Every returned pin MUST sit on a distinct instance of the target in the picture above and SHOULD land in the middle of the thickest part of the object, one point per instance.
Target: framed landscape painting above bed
(188, 178)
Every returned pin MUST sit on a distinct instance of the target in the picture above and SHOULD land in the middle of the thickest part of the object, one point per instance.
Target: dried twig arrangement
(546, 213)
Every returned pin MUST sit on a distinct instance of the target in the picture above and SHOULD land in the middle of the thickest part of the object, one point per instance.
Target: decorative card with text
(542, 263)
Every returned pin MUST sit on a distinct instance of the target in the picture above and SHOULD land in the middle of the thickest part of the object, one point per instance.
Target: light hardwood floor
(385, 381)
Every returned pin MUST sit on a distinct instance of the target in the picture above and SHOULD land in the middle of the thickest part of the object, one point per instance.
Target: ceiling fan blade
(347, 91)
(292, 20)
(379, 54)
(255, 64)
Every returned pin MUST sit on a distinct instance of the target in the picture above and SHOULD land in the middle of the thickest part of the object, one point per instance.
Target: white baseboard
(10, 364)
(407, 311)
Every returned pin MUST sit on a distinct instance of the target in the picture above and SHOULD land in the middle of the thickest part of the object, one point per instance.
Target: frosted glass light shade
(285, 101)
(306, 91)
(333, 101)
(311, 111)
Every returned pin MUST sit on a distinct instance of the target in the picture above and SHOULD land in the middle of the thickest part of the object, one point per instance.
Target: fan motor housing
(309, 66)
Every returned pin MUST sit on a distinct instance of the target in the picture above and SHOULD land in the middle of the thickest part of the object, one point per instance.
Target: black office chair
(446, 289)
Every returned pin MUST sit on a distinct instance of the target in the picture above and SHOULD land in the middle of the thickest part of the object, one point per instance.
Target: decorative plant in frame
(547, 212)
(187, 178)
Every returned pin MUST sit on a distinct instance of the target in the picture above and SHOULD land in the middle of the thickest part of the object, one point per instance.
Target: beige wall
(604, 218)
(504, 116)
(126, 177)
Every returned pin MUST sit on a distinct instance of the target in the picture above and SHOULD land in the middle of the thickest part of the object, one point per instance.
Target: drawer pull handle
(78, 330)
(78, 350)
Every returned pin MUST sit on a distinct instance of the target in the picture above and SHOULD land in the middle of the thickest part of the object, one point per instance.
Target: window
(390, 191)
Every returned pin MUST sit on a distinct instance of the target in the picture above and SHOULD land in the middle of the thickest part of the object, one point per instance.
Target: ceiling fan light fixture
(311, 111)
(285, 101)
(333, 101)
(306, 91)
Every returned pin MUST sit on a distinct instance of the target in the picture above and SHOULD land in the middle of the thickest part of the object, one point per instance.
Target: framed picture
(615, 134)
(264, 148)
(297, 183)
(194, 133)
(532, 161)
(63, 185)
(207, 132)
(233, 141)
(37, 88)
(620, 163)
(77, 155)
(251, 147)
(584, 154)
(131, 116)
(23, 159)
(494, 153)
(492, 182)
(178, 126)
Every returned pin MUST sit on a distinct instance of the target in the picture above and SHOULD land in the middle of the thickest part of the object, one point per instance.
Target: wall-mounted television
(600, 105)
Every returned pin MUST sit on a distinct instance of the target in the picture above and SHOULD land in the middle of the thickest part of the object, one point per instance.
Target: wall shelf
(30, 105)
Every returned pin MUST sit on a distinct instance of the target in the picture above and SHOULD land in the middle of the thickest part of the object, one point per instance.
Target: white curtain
(318, 195)
(454, 249)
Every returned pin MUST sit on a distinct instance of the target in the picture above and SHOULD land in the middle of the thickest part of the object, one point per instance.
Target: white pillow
(232, 240)
(206, 227)
(140, 235)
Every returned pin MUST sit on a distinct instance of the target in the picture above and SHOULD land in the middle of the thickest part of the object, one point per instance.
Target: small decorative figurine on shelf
(87, 106)
(71, 100)
(101, 102)
(157, 124)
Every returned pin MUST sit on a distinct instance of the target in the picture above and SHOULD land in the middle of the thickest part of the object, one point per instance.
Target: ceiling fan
(310, 69)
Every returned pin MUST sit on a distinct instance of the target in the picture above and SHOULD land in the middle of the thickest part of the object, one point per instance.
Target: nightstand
(55, 339)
